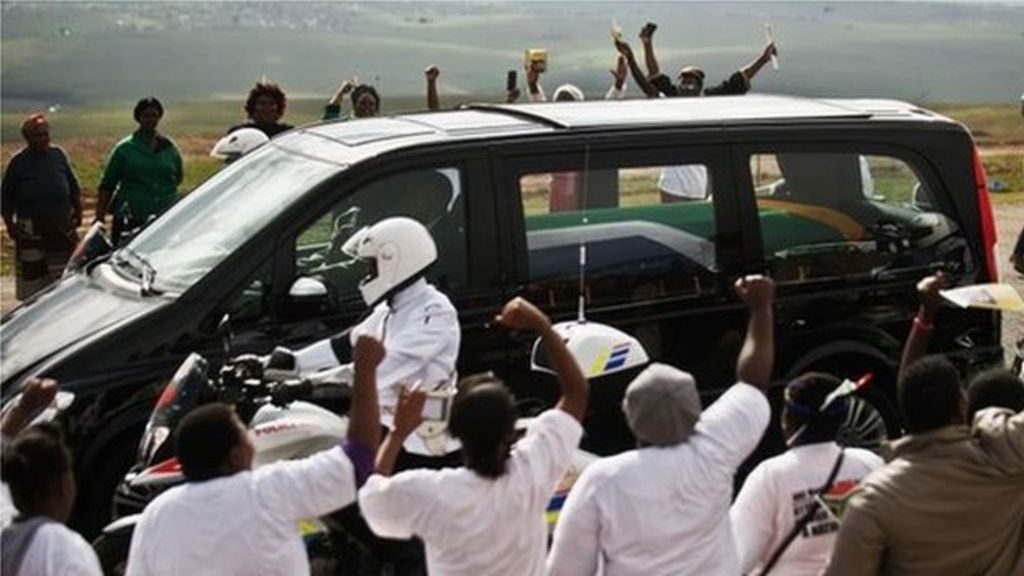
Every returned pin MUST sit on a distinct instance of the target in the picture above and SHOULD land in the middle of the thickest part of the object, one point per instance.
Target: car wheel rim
(863, 426)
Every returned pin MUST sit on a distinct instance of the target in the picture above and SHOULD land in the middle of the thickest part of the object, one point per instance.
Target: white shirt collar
(409, 294)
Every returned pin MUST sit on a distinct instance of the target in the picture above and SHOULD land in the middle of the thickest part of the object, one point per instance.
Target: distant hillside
(111, 53)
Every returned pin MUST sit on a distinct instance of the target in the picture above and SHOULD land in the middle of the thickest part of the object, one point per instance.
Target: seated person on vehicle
(417, 322)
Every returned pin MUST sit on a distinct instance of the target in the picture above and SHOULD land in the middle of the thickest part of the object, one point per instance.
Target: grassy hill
(81, 53)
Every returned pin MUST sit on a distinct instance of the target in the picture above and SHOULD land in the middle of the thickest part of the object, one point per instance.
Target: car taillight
(988, 223)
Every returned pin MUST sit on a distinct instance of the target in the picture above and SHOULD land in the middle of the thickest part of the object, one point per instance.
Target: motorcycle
(282, 422)
(285, 424)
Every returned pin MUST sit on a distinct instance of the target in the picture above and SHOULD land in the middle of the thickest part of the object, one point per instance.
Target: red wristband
(922, 324)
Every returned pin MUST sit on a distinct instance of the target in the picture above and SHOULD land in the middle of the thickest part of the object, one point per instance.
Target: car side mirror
(309, 296)
(306, 290)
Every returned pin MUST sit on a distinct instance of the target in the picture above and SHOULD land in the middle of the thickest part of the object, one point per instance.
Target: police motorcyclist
(417, 323)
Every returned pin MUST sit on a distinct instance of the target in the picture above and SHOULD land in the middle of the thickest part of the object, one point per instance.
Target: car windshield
(214, 220)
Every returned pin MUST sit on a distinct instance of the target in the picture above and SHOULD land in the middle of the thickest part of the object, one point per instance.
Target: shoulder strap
(812, 509)
(16, 540)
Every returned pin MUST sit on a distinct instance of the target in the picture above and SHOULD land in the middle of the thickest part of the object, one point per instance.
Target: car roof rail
(518, 112)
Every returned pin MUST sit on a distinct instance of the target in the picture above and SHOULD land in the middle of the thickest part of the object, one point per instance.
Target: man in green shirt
(142, 174)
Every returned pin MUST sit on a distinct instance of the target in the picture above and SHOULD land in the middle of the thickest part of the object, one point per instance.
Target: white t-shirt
(778, 492)
(7, 509)
(688, 181)
(241, 524)
(663, 510)
(56, 550)
(473, 525)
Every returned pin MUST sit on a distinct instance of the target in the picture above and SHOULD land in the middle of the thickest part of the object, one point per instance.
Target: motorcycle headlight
(152, 440)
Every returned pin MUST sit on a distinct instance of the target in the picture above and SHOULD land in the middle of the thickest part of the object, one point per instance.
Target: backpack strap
(16, 540)
(812, 509)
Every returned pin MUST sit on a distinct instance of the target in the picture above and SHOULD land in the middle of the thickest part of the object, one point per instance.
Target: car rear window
(828, 215)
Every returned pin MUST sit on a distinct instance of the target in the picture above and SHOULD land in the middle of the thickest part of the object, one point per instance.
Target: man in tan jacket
(952, 500)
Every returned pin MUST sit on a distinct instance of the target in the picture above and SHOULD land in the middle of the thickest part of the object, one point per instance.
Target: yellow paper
(989, 296)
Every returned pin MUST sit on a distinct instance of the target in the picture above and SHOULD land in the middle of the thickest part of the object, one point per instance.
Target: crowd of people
(948, 501)
(947, 498)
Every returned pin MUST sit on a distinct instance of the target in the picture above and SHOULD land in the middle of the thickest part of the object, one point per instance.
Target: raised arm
(619, 75)
(433, 102)
(408, 417)
(520, 314)
(535, 92)
(752, 68)
(364, 415)
(916, 345)
(35, 397)
(647, 40)
(645, 85)
(758, 354)
(333, 108)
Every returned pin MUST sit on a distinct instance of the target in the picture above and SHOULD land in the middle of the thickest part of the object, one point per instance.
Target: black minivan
(845, 203)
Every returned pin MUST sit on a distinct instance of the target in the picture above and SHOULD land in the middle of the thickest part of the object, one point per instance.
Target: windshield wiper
(147, 271)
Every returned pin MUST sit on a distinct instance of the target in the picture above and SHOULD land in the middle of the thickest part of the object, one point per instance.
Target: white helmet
(397, 249)
(238, 144)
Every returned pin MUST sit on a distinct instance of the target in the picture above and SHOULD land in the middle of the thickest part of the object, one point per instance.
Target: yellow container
(538, 56)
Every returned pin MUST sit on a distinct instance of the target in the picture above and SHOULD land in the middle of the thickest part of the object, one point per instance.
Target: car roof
(715, 110)
(348, 141)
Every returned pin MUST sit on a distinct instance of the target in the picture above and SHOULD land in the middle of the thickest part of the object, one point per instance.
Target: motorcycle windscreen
(179, 397)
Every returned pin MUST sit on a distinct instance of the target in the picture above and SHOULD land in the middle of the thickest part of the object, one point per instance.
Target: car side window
(649, 232)
(252, 303)
(828, 215)
(434, 197)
